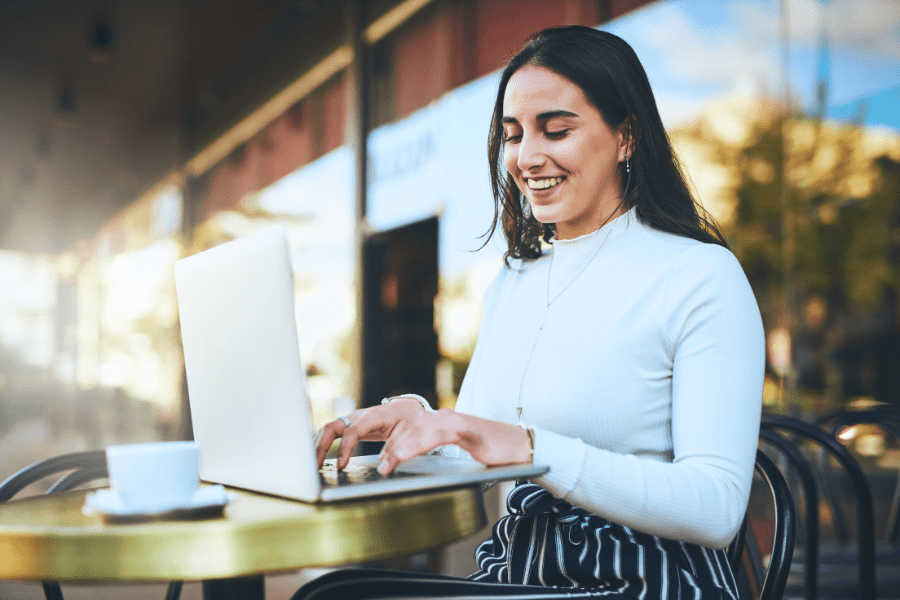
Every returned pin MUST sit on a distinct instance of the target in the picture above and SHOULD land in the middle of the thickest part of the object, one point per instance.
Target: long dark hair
(611, 77)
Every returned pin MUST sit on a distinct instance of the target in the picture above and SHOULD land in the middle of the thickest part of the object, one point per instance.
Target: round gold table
(49, 538)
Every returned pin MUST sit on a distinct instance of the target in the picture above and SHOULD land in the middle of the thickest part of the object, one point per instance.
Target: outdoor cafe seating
(863, 562)
(756, 581)
(766, 583)
(79, 468)
(50, 538)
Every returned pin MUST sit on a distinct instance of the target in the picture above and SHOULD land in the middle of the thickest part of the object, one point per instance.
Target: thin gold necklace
(551, 301)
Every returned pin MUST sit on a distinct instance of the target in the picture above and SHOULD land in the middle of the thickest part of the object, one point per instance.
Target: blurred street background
(137, 132)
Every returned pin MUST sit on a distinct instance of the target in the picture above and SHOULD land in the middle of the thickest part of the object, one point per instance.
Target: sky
(694, 51)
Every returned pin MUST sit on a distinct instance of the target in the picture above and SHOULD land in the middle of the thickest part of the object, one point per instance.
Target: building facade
(369, 146)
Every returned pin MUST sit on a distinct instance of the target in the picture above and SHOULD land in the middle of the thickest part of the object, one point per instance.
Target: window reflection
(315, 204)
(784, 113)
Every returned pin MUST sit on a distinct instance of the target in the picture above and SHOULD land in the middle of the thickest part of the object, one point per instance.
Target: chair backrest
(866, 526)
(808, 526)
(82, 467)
(779, 565)
(886, 417)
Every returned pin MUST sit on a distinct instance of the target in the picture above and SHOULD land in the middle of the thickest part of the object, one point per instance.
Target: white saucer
(107, 503)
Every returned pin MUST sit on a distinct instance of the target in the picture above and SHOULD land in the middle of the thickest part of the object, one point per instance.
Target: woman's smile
(544, 184)
(561, 153)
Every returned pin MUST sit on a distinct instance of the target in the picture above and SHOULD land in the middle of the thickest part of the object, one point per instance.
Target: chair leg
(52, 591)
(238, 588)
(744, 583)
(174, 591)
(756, 572)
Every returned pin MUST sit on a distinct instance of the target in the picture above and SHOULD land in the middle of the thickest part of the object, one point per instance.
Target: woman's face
(561, 152)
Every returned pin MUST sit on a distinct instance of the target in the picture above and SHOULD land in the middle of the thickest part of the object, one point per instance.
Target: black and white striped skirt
(548, 548)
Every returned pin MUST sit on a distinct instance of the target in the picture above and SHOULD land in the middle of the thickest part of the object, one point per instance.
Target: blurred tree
(816, 226)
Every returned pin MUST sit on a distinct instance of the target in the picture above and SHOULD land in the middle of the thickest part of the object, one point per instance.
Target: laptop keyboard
(329, 476)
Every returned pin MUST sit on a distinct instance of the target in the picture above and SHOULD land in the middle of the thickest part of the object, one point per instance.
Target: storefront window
(26, 309)
(128, 348)
(316, 205)
(784, 115)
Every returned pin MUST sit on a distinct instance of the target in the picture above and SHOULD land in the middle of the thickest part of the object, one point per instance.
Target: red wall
(452, 43)
(312, 127)
(422, 56)
(505, 25)
(446, 45)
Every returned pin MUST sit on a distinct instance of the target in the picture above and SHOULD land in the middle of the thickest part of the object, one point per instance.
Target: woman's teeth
(543, 184)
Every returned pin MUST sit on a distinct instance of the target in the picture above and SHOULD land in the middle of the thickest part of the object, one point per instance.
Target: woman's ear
(627, 138)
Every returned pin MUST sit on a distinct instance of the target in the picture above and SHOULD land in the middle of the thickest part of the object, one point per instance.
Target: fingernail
(383, 467)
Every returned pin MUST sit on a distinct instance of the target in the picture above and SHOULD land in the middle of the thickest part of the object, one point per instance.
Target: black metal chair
(808, 526)
(826, 582)
(836, 559)
(80, 467)
(887, 418)
(771, 581)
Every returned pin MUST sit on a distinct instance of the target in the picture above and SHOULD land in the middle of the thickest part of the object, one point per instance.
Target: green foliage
(819, 209)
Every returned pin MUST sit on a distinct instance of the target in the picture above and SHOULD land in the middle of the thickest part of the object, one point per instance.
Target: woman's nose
(531, 152)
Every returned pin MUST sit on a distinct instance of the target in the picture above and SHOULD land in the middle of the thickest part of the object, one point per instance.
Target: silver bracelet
(421, 400)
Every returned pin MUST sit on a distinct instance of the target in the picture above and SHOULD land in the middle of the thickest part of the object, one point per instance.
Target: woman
(629, 358)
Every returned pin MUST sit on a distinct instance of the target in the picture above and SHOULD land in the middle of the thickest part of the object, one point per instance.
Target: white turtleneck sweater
(642, 380)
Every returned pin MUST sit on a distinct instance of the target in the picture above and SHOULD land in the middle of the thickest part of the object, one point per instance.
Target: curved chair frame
(84, 467)
(811, 496)
(785, 522)
(91, 463)
(866, 538)
(888, 418)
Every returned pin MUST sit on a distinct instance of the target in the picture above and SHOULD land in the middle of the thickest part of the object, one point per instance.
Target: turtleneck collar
(590, 241)
(571, 257)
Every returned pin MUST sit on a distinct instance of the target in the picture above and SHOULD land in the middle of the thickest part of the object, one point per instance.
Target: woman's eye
(511, 138)
(557, 135)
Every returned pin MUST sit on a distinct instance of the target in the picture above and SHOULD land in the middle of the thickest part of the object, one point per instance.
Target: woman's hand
(408, 431)
(488, 442)
(373, 424)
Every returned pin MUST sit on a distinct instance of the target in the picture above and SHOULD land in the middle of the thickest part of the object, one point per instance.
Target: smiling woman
(599, 72)
(628, 358)
(561, 153)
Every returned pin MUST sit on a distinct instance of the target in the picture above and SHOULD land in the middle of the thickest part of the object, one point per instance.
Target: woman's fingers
(366, 424)
(421, 436)
(325, 438)
(409, 445)
(351, 437)
(332, 431)
(369, 424)
(488, 442)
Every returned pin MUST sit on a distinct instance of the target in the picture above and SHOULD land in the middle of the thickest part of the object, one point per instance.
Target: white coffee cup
(154, 476)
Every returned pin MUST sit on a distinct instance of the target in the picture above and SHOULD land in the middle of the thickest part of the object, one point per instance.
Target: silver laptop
(247, 385)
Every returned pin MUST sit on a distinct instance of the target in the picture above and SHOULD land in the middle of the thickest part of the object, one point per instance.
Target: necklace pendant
(519, 411)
